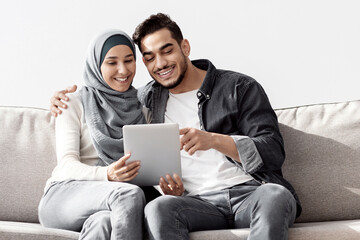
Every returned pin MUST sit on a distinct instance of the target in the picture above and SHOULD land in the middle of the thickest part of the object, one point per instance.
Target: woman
(87, 191)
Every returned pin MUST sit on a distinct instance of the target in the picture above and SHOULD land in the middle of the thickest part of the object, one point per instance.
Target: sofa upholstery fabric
(27, 157)
(322, 163)
(323, 159)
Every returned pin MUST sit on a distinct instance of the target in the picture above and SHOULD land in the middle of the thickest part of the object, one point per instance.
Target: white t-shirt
(204, 171)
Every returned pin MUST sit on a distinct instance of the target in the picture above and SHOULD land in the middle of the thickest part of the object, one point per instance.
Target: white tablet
(157, 146)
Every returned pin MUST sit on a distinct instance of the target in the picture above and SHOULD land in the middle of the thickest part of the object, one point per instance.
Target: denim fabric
(99, 209)
(268, 210)
(234, 104)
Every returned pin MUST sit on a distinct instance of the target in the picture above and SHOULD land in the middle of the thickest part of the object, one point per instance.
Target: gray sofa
(323, 163)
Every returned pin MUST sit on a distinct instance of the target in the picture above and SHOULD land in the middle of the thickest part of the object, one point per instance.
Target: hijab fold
(107, 110)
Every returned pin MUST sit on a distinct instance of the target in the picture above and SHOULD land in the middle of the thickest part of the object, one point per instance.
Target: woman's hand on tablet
(121, 172)
(172, 186)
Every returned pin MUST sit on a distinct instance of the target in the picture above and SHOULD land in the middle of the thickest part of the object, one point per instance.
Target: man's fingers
(188, 145)
(192, 150)
(183, 131)
(71, 89)
(59, 95)
(183, 140)
(60, 104)
(178, 181)
(189, 135)
(164, 186)
(57, 103)
(52, 100)
(63, 96)
(170, 181)
(55, 111)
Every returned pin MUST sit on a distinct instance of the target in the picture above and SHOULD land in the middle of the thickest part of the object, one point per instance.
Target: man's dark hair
(154, 23)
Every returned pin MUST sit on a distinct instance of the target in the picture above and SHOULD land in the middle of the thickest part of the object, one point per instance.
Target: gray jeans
(269, 210)
(99, 209)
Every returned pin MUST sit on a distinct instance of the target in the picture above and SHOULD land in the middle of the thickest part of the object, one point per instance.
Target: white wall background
(302, 52)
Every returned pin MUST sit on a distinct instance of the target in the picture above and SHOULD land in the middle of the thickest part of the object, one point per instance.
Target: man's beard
(183, 69)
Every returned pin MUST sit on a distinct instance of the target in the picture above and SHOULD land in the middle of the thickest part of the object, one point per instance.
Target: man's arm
(195, 139)
(58, 97)
(260, 147)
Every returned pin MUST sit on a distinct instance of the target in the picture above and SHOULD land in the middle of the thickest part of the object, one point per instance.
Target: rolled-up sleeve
(262, 149)
(250, 158)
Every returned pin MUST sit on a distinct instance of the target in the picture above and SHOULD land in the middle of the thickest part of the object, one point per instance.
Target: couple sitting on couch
(232, 150)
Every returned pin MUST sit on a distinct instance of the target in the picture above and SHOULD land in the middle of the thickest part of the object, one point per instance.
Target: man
(232, 150)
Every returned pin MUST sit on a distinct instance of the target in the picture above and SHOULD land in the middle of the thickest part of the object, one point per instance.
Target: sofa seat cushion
(33, 231)
(349, 230)
(344, 230)
(229, 234)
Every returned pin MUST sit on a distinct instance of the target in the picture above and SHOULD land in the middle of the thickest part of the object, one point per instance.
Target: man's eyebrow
(146, 53)
(161, 48)
(166, 45)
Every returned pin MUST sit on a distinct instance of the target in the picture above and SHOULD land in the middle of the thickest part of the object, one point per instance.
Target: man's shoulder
(234, 79)
(145, 92)
(147, 87)
(234, 75)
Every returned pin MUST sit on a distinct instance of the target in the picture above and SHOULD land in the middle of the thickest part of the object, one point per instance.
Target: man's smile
(165, 73)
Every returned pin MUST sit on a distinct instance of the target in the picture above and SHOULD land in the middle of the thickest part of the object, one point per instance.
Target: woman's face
(119, 67)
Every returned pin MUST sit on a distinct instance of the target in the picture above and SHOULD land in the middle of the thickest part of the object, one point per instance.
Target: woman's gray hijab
(107, 110)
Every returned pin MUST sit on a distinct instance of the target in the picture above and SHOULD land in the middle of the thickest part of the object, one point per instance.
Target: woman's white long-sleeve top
(76, 156)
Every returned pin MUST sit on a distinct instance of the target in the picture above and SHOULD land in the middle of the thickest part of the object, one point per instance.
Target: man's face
(164, 58)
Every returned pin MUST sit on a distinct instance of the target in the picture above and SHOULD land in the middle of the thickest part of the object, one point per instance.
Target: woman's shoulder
(76, 96)
(74, 105)
(75, 99)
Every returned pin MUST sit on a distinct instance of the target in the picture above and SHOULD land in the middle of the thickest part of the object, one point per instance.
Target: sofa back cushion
(27, 157)
(322, 144)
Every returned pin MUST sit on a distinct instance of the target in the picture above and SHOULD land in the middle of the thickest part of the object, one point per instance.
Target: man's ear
(185, 47)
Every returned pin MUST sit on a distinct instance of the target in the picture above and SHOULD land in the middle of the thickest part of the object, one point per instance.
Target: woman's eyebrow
(114, 57)
(111, 57)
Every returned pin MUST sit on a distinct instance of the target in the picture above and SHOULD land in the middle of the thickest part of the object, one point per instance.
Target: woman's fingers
(127, 172)
(121, 162)
(129, 175)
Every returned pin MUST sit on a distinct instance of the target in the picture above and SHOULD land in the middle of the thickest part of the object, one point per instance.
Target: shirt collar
(207, 85)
